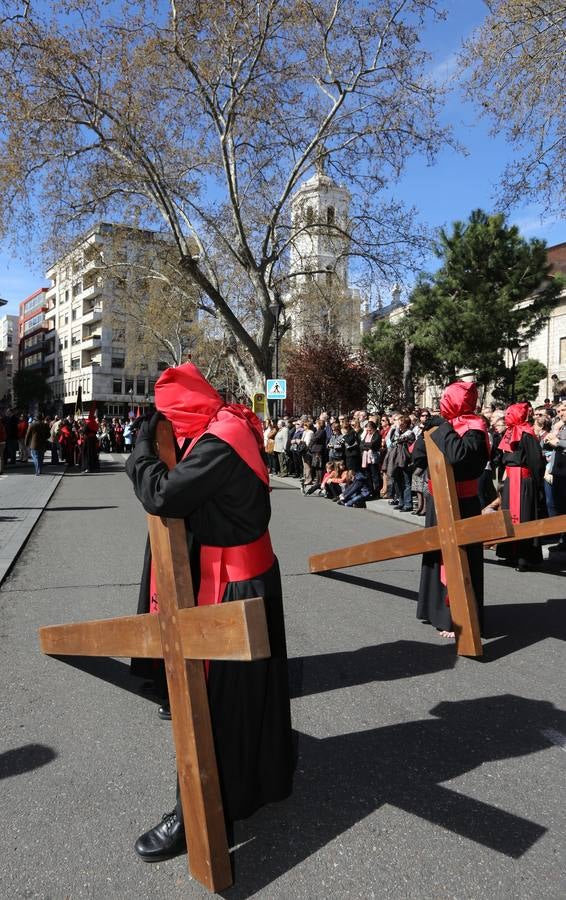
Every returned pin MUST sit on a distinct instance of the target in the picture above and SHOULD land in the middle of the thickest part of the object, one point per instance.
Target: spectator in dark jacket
(353, 457)
(370, 447)
(37, 438)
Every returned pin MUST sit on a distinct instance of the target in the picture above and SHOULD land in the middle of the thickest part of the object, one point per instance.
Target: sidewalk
(23, 497)
(375, 506)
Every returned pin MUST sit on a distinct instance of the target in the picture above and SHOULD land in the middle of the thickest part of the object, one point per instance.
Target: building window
(129, 385)
(77, 288)
(330, 215)
(562, 351)
(66, 295)
(310, 215)
(116, 385)
(117, 362)
(33, 323)
(73, 315)
(328, 278)
(161, 366)
(523, 353)
(33, 359)
(75, 363)
(140, 386)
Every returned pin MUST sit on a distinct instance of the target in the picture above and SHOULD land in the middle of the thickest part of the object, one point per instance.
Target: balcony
(50, 314)
(92, 314)
(93, 342)
(91, 265)
(88, 360)
(92, 291)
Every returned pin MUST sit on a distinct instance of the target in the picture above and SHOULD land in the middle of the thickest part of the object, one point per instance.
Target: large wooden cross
(183, 635)
(450, 536)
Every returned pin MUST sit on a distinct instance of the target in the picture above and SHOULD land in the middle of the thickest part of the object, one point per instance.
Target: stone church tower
(320, 300)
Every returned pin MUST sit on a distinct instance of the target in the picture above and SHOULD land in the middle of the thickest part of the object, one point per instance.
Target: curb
(379, 507)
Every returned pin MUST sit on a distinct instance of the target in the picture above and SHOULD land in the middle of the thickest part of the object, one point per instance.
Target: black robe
(468, 455)
(225, 504)
(528, 455)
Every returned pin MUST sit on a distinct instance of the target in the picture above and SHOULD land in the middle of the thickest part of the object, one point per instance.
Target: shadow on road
(50, 509)
(371, 584)
(25, 759)
(341, 780)
(519, 625)
(383, 662)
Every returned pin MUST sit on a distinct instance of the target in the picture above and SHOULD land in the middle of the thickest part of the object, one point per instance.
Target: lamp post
(275, 309)
(131, 393)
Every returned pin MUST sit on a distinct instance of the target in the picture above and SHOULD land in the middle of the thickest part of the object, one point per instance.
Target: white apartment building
(87, 345)
(8, 355)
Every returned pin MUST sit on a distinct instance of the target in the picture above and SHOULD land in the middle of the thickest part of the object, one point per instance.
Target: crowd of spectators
(352, 458)
(76, 441)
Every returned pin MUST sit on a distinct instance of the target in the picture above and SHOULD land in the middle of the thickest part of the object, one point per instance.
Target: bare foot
(447, 634)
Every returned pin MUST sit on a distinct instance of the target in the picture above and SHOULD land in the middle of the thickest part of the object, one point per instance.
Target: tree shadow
(383, 662)
(518, 625)
(341, 780)
(25, 759)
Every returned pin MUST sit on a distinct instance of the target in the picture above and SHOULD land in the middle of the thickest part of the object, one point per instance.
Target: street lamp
(275, 309)
(131, 393)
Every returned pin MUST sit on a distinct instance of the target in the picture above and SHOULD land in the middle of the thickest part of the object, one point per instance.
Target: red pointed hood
(194, 408)
(517, 421)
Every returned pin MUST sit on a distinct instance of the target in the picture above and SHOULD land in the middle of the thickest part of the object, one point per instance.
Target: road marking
(556, 737)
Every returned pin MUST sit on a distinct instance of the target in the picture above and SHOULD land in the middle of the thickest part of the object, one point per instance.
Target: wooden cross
(450, 536)
(183, 635)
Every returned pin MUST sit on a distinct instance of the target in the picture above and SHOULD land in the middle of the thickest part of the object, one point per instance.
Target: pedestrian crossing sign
(276, 388)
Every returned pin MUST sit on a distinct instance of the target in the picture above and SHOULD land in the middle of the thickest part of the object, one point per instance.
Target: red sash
(468, 488)
(515, 475)
(220, 565)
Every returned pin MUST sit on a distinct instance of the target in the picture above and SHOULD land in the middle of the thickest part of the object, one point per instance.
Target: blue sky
(447, 191)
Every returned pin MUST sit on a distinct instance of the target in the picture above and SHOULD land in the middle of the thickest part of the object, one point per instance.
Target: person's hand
(147, 427)
(548, 477)
(487, 510)
(433, 422)
(551, 439)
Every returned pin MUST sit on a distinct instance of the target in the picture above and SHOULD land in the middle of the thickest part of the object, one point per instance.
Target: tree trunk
(408, 387)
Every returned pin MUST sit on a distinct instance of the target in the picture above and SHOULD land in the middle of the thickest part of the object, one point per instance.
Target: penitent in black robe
(225, 504)
(528, 455)
(468, 455)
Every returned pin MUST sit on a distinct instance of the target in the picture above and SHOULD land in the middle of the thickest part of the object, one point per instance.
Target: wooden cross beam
(450, 536)
(183, 635)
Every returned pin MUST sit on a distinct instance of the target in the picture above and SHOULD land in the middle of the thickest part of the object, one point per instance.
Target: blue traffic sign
(276, 388)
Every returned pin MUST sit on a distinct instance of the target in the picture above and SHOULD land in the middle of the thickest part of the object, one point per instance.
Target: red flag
(138, 413)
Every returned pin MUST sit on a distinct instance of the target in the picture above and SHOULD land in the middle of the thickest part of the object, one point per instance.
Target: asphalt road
(419, 776)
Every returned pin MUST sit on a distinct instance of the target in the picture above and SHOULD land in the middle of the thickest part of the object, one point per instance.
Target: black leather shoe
(163, 841)
(164, 712)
